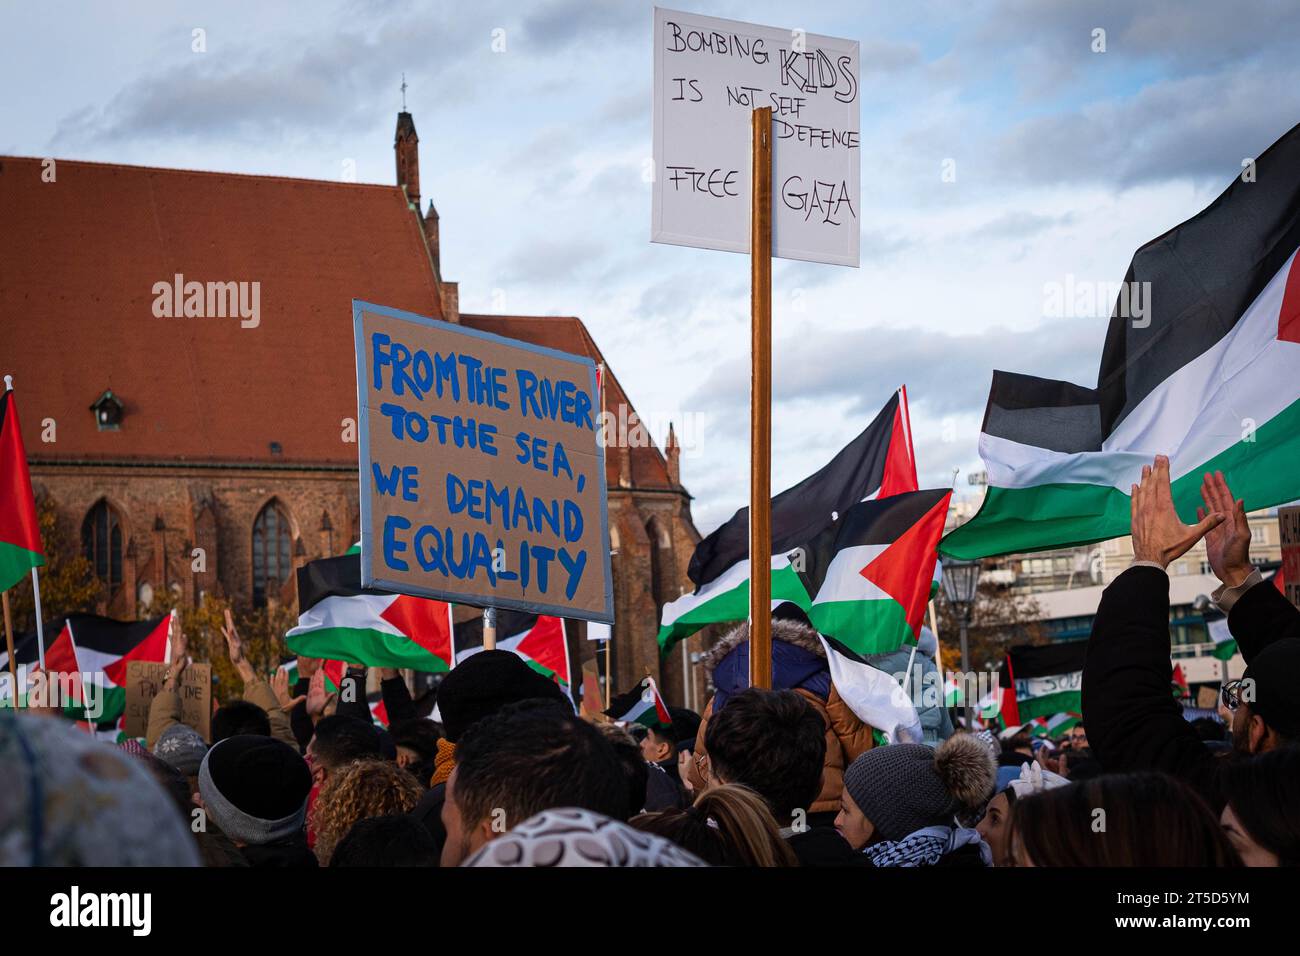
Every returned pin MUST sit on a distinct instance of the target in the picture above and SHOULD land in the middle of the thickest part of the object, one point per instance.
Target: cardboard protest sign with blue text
(482, 476)
(709, 77)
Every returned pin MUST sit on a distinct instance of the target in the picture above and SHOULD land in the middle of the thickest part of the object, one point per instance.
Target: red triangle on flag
(424, 621)
(61, 656)
(18, 522)
(1288, 318)
(905, 569)
(152, 649)
(900, 465)
(545, 644)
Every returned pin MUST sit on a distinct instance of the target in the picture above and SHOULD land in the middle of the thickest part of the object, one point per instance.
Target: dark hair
(340, 740)
(418, 734)
(636, 773)
(532, 756)
(773, 742)
(1208, 729)
(171, 780)
(421, 735)
(239, 717)
(394, 840)
(1150, 819)
(729, 825)
(686, 724)
(1264, 793)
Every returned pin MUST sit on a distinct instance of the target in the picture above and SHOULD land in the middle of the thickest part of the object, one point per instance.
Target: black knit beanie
(485, 683)
(255, 788)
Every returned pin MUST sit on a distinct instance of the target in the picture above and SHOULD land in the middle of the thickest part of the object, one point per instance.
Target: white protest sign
(709, 77)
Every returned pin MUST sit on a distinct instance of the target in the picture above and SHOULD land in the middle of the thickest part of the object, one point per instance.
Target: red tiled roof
(568, 334)
(78, 261)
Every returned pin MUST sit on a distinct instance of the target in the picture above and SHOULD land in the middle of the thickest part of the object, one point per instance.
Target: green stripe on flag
(1049, 705)
(865, 627)
(729, 605)
(374, 648)
(1062, 515)
(16, 563)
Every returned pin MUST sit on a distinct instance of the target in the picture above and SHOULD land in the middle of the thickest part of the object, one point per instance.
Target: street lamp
(960, 583)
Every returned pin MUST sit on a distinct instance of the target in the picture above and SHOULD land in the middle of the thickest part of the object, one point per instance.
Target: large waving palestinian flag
(538, 639)
(97, 649)
(20, 535)
(340, 620)
(876, 464)
(1209, 375)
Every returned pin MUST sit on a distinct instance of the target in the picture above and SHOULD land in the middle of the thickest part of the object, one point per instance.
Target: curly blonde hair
(357, 791)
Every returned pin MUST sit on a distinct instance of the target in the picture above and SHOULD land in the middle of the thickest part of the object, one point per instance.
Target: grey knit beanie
(182, 747)
(902, 788)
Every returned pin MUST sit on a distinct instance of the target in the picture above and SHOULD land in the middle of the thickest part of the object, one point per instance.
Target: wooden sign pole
(760, 401)
(489, 629)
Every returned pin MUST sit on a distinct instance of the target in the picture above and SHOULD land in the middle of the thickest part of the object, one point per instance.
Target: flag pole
(489, 629)
(9, 643)
(4, 596)
(760, 400)
(40, 625)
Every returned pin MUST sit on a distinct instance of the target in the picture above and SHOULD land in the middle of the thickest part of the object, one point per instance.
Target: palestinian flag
(1178, 683)
(870, 572)
(1200, 365)
(643, 706)
(876, 464)
(870, 575)
(1058, 725)
(334, 671)
(1048, 679)
(340, 620)
(20, 534)
(538, 639)
(1225, 645)
(98, 649)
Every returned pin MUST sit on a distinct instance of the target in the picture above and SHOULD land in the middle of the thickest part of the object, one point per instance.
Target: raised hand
(317, 698)
(179, 648)
(234, 644)
(1159, 535)
(280, 687)
(1228, 545)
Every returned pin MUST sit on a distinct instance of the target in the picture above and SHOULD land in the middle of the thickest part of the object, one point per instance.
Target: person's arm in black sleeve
(1133, 721)
(299, 719)
(357, 706)
(397, 696)
(1258, 614)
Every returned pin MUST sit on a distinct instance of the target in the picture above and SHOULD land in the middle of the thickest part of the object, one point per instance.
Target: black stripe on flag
(331, 577)
(1203, 275)
(107, 636)
(882, 521)
(799, 513)
(509, 624)
(1046, 660)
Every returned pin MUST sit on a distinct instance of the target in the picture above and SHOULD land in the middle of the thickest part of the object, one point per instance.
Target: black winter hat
(1276, 692)
(255, 788)
(484, 684)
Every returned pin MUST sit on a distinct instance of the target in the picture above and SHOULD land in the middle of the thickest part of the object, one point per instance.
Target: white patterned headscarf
(71, 800)
(573, 837)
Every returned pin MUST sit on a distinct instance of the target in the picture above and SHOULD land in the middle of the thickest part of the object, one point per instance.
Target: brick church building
(155, 433)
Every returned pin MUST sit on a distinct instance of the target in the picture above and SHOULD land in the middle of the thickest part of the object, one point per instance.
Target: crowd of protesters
(509, 775)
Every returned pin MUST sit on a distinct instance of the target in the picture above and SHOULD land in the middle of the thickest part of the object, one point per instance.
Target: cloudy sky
(1066, 161)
